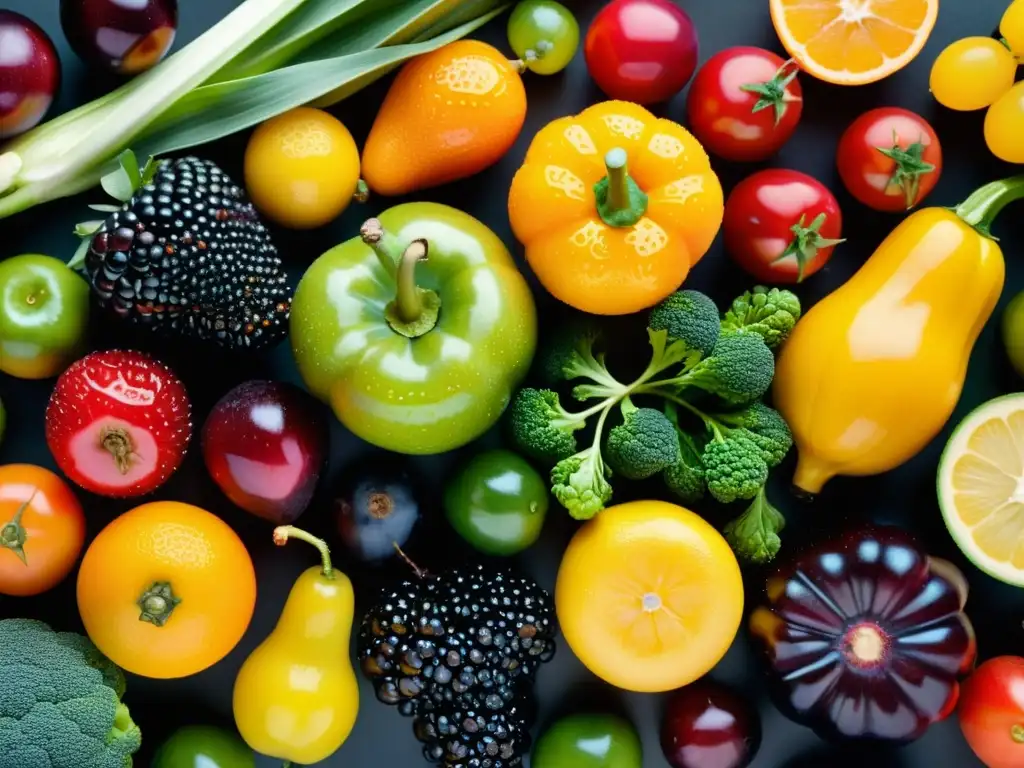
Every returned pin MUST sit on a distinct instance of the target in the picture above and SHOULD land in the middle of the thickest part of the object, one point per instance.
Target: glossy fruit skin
(39, 546)
(647, 551)
(376, 506)
(991, 712)
(120, 36)
(203, 746)
(365, 377)
(296, 696)
(589, 741)
(581, 259)
(497, 502)
(544, 34)
(207, 568)
(118, 423)
(707, 725)
(448, 115)
(44, 316)
(891, 376)
(30, 82)
(868, 173)
(1004, 125)
(759, 218)
(265, 444)
(972, 73)
(721, 113)
(848, 627)
(302, 168)
(642, 51)
(1011, 26)
(1013, 332)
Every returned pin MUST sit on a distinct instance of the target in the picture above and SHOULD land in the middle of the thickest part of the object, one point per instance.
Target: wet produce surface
(905, 496)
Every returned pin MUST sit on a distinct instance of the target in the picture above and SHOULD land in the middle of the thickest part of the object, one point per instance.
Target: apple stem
(157, 603)
(408, 302)
(13, 535)
(284, 532)
(420, 573)
(119, 444)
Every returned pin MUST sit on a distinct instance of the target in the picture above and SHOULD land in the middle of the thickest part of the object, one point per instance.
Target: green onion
(264, 58)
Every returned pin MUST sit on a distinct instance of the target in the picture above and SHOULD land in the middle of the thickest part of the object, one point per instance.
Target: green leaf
(80, 253)
(88, 228)
(118, 184)
(103, 208)
(149, 170)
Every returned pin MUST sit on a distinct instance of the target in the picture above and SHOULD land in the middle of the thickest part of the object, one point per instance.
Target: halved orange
(853, 42)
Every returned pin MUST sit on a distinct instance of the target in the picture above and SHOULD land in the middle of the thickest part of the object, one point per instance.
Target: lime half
(981, 487)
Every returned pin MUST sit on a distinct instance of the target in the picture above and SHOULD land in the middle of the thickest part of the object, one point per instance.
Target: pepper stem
(157, 603)
(408, 301)
(981, 208)
(620, 202)
(13, 535)
(284, 532)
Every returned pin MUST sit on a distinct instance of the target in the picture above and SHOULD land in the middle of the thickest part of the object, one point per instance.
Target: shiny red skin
(866, 172)
(265, 444)
(29, 74)
(644, 51)
(721, 114)
(707, 725)
(759, 214)
(123, 36)
(991, 710)
(131, 393)
(878, 584)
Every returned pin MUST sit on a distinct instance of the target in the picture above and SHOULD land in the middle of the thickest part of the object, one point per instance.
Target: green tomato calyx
(620, 201)
(909, 167)
(157, 602)
(806, 242)
(414, 310)
(773, 94)
(13, 535)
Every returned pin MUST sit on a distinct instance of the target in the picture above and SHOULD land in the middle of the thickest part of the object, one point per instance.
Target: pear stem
(284, 532)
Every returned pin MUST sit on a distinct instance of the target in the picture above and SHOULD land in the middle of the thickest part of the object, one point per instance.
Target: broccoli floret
(769, 312)
(734, 468)
(685, 477)
(540, 427)
(688, 316)
(60, 702)
(643, 445)
(739, 371)
(754, 535)
(766, 427)
(569, 354)
(580, 484)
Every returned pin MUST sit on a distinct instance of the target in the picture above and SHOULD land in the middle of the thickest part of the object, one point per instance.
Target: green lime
(589, 741)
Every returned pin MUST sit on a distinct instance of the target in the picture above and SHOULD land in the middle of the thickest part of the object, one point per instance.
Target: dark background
(905, 496)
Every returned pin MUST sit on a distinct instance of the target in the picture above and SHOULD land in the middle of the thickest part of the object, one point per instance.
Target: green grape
(544, 34)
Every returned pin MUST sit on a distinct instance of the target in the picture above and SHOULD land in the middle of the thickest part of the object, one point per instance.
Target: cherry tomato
(972, 73)
(781, 225)
(744, 103)
(642, 51)
(544, 34)
(991, 712)
(889, 159)
(1004, 125)
(42, 530)
(1011, 26)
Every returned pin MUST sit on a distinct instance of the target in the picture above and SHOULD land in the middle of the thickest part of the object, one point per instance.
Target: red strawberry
(118, 423)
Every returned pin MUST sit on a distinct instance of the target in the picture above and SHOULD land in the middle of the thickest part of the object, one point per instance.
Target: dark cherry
(377, 507)
(29, 74)
(123, 36)
(707, 725)
(265, 444)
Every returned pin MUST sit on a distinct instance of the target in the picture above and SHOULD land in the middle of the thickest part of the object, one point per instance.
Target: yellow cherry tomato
(1012, 27)
(972, 73)
(1004, 126)
(302, 168)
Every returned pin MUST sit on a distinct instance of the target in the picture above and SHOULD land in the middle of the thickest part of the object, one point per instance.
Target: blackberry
(187, 256)
(469, 732)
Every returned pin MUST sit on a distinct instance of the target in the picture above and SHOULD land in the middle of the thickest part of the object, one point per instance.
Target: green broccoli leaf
(580, 484)
(754, 535)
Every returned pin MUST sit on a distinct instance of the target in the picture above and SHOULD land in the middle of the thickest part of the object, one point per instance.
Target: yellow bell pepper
(614, 207)
(873, 371)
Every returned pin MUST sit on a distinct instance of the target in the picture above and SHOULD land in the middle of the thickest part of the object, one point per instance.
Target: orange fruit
(166, 590)
(649, 596)
(853, 42)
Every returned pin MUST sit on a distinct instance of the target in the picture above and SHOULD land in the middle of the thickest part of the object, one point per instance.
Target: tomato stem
(620, 202)
(806, 242)
(910, 166)
(157, 602)
(284, 532)
(773, 93)
(414, 310)
(13, 535)
(984, 204)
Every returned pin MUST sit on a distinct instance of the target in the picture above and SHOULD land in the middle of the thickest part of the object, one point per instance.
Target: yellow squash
(296, 697)
(874, 370)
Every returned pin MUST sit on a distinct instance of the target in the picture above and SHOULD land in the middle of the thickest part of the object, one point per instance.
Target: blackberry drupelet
(467, 733)
(187, 255)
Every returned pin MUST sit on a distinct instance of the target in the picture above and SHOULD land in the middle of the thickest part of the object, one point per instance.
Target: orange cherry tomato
(166, 590)
(42, 530)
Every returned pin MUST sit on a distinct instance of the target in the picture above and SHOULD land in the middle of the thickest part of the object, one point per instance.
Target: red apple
(29, 73)
(124, 36)
(707, 725)
(265, 444)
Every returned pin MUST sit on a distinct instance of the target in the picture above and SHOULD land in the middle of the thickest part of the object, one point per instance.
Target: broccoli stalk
(580, 482)
(754, 535)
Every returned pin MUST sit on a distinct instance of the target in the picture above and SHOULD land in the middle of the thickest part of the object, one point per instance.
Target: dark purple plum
(707, 725)
(29, 74)
(377, 507)
(123, 36)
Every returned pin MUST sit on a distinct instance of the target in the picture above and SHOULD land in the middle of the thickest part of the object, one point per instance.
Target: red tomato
(642, 51)
(781, 226)
(991, 712)
(889, 159)
(744, 103)
(42, 530)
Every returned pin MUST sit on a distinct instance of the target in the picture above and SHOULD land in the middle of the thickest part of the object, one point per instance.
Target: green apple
(44, 314)
(1013, 332)
(589, 741)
